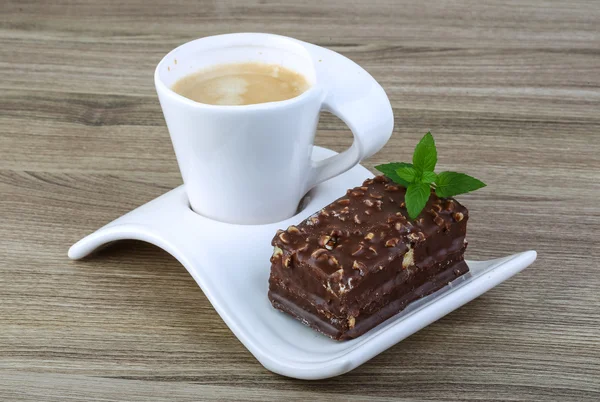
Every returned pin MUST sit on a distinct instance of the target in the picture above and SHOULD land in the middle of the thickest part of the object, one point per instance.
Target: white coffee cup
(252, 164)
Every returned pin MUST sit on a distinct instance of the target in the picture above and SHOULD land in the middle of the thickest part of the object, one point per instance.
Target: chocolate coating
(361, 259)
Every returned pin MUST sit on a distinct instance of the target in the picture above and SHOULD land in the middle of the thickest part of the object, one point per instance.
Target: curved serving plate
(231, 265)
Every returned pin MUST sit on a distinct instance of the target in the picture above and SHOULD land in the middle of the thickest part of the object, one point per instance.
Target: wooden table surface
(510, 89)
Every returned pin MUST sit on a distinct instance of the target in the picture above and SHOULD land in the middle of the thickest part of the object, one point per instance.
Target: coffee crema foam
(241, 84)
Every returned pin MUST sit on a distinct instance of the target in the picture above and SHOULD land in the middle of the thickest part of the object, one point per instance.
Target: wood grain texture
(510, 89)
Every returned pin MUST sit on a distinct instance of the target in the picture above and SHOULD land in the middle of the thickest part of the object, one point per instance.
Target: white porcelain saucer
(231, 265)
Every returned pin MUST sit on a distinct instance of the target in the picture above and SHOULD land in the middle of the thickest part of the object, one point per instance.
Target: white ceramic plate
(231, 265)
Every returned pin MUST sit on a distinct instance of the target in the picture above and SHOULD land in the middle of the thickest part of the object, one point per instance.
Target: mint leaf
(425, 155)
(449, 184)
(389, 169)
(416, 197)
(428, 177)
(407, 173)
(419, 177)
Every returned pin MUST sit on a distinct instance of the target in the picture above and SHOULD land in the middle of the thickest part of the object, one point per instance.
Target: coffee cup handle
(354, 96)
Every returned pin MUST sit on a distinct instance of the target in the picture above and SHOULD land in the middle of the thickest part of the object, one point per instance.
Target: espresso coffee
(241, 84)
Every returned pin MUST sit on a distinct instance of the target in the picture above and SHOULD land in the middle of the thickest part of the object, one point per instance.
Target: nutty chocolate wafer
(360, 260)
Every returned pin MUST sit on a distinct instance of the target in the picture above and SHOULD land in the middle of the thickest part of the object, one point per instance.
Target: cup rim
(162, 87)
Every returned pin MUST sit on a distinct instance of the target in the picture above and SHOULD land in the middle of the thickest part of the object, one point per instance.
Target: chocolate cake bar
(360, 260)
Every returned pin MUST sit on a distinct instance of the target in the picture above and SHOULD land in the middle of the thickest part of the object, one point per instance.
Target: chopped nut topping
(319, 254)
(276, 253)
(344, 201)
(458, 216)
(439, 221)
(324, 212)
(408, 258)
(391, 187)
(368, 181)
(293, 229)
(323, 240)
(368, 212)
(345, 210)
(369, 236)
(364, 188)
(283, 236)
(357, 219)
(358, 251)
(357, 193)
(413, 237)
(393, 242)
(376, 196)
(351, 322)
(449, 206)
(372, 249)
(359, 266)
(368, 203)
(399, 227)
(437, 207)
(287, 261)
(402, 204)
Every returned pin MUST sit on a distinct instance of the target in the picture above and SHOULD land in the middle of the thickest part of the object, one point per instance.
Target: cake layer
(369, 301)
(286, 300)
(360, 292)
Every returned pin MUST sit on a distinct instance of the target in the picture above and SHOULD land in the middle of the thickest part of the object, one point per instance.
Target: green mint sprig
(419, 178)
